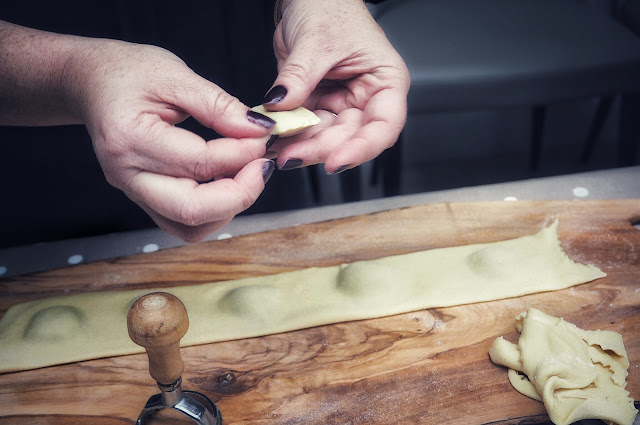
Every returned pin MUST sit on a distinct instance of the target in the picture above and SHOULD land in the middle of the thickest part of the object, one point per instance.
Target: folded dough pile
(577, 374)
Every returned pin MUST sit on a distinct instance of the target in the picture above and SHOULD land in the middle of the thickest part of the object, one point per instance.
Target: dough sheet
(289, 123)
(578, 374)
(93, 325)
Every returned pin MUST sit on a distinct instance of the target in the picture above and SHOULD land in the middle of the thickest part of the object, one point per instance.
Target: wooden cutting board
(425, 367)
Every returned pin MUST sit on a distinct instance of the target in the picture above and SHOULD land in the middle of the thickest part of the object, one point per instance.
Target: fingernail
(267, 170)
(275, 95)
(270, 155)
(291, 163)
(340, 169)
(271, 140)
(261, 120)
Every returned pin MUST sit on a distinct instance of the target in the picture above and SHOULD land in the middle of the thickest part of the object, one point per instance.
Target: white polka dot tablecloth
(607, 184)
(150, 247)
(75, 259)
(580, 192)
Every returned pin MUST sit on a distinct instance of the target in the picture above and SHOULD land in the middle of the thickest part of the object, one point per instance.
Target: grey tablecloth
(606, 184)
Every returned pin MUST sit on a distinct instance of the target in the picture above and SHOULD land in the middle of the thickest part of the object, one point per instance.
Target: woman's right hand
(130, 97)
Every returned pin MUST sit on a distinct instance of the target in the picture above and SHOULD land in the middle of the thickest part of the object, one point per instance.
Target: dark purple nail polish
(270, 155)
(271, 140)
(291, 163)
(206, 181)
(275, 95)
(267, 170)
(340, 169)
(261, 120)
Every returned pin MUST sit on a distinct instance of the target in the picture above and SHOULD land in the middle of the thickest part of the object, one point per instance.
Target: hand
(131, 97)
(332, 56)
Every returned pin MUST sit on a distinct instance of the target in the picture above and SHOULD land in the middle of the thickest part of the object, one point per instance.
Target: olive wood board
(425, 367)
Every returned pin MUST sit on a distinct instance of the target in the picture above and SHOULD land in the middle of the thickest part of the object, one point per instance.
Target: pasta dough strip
(93, 325)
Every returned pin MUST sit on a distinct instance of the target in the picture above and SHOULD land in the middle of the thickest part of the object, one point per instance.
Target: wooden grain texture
(424, 367)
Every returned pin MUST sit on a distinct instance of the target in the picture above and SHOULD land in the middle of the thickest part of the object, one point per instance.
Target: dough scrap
(289, 123)
(299, 299)
(578, 374)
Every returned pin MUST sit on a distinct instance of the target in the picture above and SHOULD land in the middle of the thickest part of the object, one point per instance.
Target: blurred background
(53, 188)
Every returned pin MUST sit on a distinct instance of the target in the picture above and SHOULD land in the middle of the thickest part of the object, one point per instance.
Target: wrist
(281, 6)
(278, 10)
(77, 79)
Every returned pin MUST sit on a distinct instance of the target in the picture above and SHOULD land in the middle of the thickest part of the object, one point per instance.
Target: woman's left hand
(334, 59)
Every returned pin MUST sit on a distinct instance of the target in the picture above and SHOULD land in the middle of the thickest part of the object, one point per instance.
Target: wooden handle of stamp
(157, 321)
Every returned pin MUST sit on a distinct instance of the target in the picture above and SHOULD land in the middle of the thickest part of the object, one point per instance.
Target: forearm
(38, 69)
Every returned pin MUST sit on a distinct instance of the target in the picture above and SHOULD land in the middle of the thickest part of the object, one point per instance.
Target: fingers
(343, 141)
(176, 152)
(321, 40)
(363, 146)
(215, 108)
(382, 121)
(187, 233)
(314, 144)
(297, 78)
(190, 210)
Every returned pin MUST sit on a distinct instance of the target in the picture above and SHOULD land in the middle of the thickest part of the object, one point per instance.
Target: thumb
(215, 108)
(298, 77)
